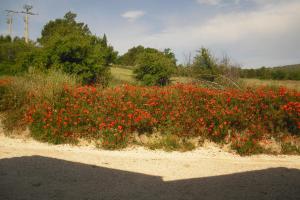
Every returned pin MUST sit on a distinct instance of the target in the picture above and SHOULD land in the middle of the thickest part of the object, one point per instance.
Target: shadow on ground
(38, 177)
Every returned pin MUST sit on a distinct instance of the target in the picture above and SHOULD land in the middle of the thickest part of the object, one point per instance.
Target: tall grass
(291, 84)
(44, 84)
(17, 92)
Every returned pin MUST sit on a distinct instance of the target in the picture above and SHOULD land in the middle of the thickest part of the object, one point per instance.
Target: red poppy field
(244, 119)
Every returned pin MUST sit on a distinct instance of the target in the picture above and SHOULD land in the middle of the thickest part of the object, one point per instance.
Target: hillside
(289, 67)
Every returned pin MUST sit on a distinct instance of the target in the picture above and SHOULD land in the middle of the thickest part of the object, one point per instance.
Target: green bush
(154, 68)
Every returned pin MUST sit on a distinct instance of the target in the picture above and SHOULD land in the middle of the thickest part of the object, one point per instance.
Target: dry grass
(286, 83)
(182, 79)
(122, 75)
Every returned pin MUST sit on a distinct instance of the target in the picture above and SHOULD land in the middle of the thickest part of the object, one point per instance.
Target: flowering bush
(20, 92)
(240, 118)
(111, 115)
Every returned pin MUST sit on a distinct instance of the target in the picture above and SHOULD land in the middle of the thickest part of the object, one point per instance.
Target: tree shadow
(37, 177)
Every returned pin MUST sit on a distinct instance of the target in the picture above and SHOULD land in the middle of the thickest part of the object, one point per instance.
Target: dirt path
(34, 170)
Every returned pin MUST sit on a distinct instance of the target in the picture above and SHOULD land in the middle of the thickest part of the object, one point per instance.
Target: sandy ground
(34, 170)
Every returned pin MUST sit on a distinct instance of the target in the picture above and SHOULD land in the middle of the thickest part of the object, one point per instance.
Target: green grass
(122, 74)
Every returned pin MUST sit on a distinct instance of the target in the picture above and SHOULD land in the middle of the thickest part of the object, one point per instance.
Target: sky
(253, 33)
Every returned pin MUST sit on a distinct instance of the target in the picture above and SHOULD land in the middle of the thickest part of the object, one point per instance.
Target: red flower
(120, 128)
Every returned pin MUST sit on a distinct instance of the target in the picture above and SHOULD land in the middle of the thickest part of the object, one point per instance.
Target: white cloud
(209, 2)
(217, 2)
(133, 15)
(266, 36)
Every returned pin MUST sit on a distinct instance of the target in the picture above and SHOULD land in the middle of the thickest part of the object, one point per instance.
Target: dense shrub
(63, 112)
(18, 93)
(154, 68)
(241, 118)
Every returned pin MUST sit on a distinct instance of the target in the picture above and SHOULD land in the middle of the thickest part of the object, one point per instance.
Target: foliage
(65, 44)
(204, 65)
(17, 93)
(289, 72)
(154, 68)
(171, 142)
(291, 149)
(210, 71)
(13, 53)
(228, 69)
(184, 71)
(62, 27)
(168, 53)
(239, 118)
(131, 57)
(88, 57)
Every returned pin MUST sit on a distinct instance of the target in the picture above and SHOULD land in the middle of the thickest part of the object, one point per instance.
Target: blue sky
(252, 33)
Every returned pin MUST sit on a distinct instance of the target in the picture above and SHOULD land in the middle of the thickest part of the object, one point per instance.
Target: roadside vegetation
(71, 85)
(67, 112)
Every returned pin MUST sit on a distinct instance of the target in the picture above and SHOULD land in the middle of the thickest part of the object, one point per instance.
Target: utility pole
(10, 20)
(27, 12)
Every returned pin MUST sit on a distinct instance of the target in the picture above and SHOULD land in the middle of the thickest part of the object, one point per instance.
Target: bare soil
(34, 170)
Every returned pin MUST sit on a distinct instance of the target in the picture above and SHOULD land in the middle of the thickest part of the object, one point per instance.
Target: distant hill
(288, 67)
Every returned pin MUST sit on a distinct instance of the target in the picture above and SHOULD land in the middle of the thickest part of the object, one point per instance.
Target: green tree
(278, 74)
(154, 68)
(70, 46)
(288, 72)
(62, 27)
(168, 52)
(12, 52)
(205, 65)
(130, 57)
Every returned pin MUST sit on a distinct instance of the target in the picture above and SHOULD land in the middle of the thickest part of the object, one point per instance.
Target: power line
(9, 21)
(27, 12)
